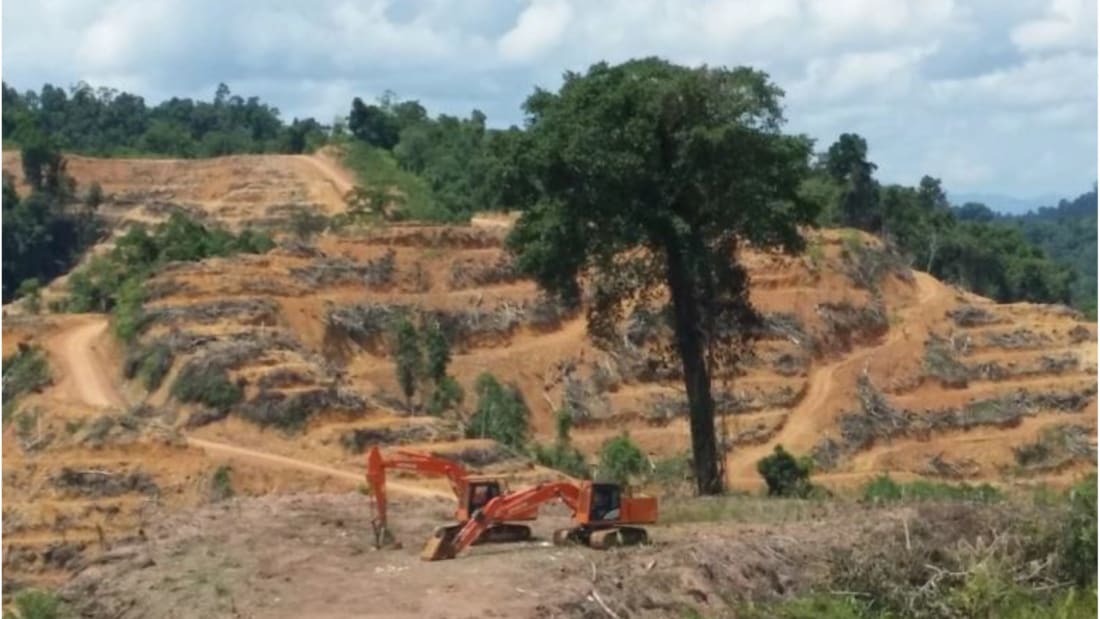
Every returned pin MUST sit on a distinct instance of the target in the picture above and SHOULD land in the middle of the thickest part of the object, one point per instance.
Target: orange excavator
(472, 493)
(603, 515)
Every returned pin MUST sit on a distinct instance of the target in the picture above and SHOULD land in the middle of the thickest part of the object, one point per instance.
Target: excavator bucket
(440, 545)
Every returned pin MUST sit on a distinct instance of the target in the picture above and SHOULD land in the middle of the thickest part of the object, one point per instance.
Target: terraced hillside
(859, 362)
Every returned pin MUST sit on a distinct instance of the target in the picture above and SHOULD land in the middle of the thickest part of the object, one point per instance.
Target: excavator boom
(471, 494)
(505, 507)
(406, 461)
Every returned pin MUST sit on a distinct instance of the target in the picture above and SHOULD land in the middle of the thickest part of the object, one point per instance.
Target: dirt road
(86, 379)
(335, 174)
(805, 423)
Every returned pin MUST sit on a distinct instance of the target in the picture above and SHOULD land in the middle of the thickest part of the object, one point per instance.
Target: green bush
(883, 489)
(501, 413)
(128, 313)
(1078, 548)
(115, 278)
(621, 460)
(304, 223)
(221, 485)
(438, 352)
(375, 167)
(30, 290)
(25, 371)
(408, 357)
(786, 475)
(562, 457)
(150, 364)
(35, 604)
(206, 385)
(447, 395)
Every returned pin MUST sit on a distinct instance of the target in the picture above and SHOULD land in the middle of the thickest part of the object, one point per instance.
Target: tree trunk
(689, 340)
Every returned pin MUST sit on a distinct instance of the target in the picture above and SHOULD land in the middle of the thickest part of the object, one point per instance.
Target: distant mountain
(1007, 205)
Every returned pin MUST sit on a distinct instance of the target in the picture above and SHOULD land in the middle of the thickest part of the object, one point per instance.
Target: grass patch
(376, 168)
(35, 604)
(883, 489)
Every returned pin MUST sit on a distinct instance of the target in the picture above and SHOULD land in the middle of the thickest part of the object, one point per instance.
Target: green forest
(449, 167)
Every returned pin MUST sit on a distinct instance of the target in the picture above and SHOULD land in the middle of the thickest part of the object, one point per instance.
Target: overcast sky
(989, 95)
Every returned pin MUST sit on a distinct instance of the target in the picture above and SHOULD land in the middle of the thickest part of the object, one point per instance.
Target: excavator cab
(606, 503)
(480, 493)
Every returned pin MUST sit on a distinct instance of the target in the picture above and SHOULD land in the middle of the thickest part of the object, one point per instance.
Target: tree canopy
(104, 121)
(648, 176)
(1003, 258)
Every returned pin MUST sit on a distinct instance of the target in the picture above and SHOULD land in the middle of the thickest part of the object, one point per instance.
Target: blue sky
(992, 96)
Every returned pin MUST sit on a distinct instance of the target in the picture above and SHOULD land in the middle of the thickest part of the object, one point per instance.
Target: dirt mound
(310, 556)
(236, 191)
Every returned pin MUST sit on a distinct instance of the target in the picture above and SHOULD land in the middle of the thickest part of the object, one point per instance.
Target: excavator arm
(405, 461)
(504, 507)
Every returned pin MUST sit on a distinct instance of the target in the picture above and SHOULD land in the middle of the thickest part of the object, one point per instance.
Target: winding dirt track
(333, 173)
(84, 377)
(86, 380)
(804, 424)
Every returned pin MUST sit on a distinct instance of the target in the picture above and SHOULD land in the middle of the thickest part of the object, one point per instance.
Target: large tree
(846, 163)
(649, 177)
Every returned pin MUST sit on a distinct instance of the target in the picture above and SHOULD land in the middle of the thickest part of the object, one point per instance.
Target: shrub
(208, 385)
(221, 486)
(25, 371)
(31, 291)
(447, 395)
(1078, 549)
(116, 277)
(786, 475)
(408, 358)
(305, 223)
(563, 457)
(621, 460)
(438, 350)
(94, 196)
(501, 413)
(129, 315)
(154, 365)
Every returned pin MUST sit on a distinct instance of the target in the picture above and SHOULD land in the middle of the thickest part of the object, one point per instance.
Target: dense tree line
(461, 166)
(968, 245)
(106, 122)
(1048, 256)
(466, 166)
(46, 231)
(1067, 233)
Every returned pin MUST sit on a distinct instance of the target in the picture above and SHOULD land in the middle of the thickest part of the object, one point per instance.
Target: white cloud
(878, 74)
(1068, 24)
(538, 29)
(972, 90)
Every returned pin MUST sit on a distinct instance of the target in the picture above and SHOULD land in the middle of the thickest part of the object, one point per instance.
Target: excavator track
(505, 533)
(601, 539)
